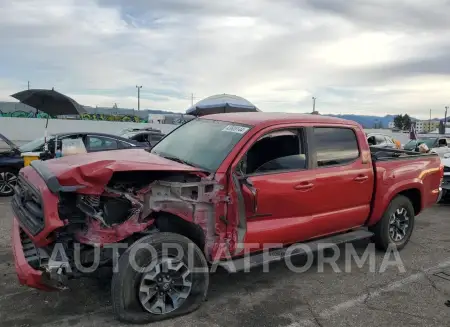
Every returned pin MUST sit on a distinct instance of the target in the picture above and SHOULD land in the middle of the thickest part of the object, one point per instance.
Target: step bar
(279, 254)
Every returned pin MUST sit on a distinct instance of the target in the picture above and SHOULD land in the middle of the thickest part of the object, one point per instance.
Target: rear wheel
(396, 226)
(8, 181)
(153, 283)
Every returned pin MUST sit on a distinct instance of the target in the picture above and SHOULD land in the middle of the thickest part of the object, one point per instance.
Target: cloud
(360, 56)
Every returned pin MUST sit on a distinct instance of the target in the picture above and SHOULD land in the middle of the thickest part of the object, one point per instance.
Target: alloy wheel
(8, 181)
(165, 287)
(399, 223)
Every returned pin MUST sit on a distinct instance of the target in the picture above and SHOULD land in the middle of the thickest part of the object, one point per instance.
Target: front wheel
(8, 181)
(396, 226)
(160, 276)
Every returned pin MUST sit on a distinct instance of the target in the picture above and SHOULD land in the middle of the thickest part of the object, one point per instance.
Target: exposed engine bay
(129, 207)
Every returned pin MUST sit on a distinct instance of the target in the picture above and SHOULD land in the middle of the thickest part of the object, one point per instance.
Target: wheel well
(415, 197)
(166, 222)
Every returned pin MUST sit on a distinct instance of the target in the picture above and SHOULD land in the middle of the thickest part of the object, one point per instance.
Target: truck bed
(413, 174)
(384, 154)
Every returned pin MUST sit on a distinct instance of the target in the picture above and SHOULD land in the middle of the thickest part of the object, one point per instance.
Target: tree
(406, 122)
(398, 121)
(402, 122)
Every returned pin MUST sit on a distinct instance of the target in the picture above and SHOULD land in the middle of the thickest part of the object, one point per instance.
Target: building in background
(427, 126)
(391, 125)
(156, 118)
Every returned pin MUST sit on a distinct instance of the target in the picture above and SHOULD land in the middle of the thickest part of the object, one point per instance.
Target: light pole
(139, 96)
(445, 118)
(314, 104)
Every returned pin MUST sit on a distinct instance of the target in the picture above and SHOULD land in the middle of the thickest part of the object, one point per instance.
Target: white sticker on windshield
(235, 129)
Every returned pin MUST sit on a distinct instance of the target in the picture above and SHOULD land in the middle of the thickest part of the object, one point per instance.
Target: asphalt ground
(279, 298)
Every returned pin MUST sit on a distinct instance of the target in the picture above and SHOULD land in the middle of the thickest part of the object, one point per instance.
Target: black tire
(382, 237)
(6, 183)
(126, 280)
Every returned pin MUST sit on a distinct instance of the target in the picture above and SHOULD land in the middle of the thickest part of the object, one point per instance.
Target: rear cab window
(335, 146)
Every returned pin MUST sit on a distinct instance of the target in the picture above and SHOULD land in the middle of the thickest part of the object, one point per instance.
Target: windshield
(411, 145)
(33, 145)
(201, 143)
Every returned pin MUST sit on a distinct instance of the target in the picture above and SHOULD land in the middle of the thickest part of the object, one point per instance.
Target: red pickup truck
(218, 187)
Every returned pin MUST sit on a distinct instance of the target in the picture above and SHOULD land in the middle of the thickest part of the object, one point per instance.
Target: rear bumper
(26, 274)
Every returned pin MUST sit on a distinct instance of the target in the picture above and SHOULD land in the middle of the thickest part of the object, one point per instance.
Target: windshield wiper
(173, 158)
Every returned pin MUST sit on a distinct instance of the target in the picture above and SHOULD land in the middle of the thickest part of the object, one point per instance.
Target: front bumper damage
(49, 279)
(194, 201)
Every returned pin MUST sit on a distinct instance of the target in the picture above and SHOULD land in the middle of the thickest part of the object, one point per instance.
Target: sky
(371, 57)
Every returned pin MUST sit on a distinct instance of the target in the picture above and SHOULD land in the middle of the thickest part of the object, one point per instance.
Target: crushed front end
(60, 232)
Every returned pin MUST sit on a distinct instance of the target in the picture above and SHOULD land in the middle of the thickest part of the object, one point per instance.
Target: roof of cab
(269, 118)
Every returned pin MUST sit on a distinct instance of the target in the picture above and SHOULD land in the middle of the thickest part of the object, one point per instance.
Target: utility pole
(139, 96)
(314, 104)
(28, 84)
(192, 99)
(429, 123)
(445, 119)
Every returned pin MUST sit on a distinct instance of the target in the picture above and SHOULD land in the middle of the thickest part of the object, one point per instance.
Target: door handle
(304, 186)
(361, 178)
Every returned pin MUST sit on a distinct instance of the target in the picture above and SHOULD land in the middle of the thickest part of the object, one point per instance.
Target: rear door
(343, 181)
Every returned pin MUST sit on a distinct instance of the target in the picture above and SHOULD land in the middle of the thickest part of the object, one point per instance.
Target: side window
(277, 151)
(335, 146)
(154, 138)
(140, 138)
(389, 140)
(98, 143)
(380, 139)
(123, 145)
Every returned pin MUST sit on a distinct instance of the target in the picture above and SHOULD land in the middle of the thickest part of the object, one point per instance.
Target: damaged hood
(97, 168)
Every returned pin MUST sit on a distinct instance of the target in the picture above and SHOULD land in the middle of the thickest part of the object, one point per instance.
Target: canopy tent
(221, 103)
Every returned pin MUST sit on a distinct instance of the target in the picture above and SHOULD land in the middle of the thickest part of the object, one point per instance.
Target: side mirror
(240, 169)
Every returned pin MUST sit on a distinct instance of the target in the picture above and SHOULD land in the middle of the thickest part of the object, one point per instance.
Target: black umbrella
(51, 102)
(221, 103)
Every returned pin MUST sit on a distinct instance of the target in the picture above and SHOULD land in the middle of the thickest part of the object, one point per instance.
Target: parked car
(145, 136)
(445, 159)
(436, 143)
(381, 141)
(217, 187)
(11, 160)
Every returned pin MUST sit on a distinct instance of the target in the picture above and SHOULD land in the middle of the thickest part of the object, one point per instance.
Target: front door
(277, 188)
